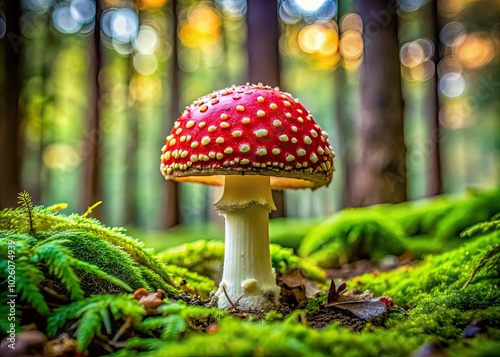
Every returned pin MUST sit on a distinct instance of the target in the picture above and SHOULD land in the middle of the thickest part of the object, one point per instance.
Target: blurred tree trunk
(11, 139)
(94, 135)
(435, 178)
(263, 58)
(131, 195)
(172, 216)
(380, 173)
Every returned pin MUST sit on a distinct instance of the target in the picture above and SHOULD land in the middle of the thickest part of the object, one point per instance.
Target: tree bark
(94, 135)
(380, 173)
(263, 58)
(11, 140)
(434, 175)
(172, 216)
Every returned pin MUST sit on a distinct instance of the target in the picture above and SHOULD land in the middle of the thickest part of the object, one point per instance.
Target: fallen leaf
(150, 301)
(295, 280)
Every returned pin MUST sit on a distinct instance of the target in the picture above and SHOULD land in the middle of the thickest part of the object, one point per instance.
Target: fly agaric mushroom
(250, 139)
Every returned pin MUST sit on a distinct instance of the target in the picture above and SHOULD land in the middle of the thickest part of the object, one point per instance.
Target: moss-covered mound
(45, 239)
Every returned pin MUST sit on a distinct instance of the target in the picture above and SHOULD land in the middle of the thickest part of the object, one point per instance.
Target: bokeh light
(236, 8)
(39, 6)
(452, 84)
(145, 63)
(64, 21)
(309, 5)
(474, 50)
(201, 29)
(318, 39)
(449, 64)
(124, 25)
(3, 25)
(61, 156)
(351, 21)
(351, 45)
(450, 32)
(411, 5)
(147, 40)
(75, 16)
(416, 58)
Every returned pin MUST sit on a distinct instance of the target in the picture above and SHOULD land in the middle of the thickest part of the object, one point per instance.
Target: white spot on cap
(244, 148)
(212, 128)
(314, 134)
(219, 156)
(169, 171)
(260, 113)
(294, 128)
(178, 131)
(288, 115)
(261, 151)
(202, 125)
(320, 150)
(205, 140)
(223, 116)
(193, 158)
(224, 125)
(287, 103)
(307, 140)
(183, 138)
(276, 151)
(211, 155)
(219, 140)
(277, 123)
(273, 106)
(313, 158)
(228, 150)
(190, 124)
(300, 119)
(194, 144)
(294, 140)
(236, 133)
(260, 133)
(240, 108)
(289, 157)
(244, 161)
(245, 120)
(172, 142)
(260, 99)
(203, 108)
(177, 124)
(283, 137)
(184, 154)
(301, 152)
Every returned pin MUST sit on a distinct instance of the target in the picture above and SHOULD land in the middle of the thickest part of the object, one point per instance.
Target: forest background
(409, 92)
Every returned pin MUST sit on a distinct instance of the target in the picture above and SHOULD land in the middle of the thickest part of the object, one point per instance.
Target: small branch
(89, 210)
(228, 299)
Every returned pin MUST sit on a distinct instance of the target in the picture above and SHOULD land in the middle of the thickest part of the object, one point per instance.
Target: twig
(228, 299)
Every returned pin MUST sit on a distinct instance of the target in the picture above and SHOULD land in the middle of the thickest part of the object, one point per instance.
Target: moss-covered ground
(113, 296)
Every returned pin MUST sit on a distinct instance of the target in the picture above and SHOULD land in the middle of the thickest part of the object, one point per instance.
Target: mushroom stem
(248, 276)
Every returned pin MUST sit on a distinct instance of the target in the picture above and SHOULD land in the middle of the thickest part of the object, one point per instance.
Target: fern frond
(491, 256)
(481, 228)
(28, 280)
(93, 313)
(27, 204)
(58, 260)
(174, 326)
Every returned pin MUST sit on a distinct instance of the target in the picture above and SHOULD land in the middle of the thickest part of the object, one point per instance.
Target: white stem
(248, 277)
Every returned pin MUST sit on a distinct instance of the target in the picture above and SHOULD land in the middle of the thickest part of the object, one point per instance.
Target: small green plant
(95, 315)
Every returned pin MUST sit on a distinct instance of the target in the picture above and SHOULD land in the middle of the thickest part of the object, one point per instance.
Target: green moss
(206, 258)
(351, 235)
(108, 249)
(411, 283)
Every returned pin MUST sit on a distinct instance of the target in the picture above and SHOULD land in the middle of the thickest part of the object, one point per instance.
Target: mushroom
(250, 139)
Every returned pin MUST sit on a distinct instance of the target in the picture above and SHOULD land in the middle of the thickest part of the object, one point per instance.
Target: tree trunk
(172, 216)
(10, 118)
(94, 135)
(380, 173)
(263, 58)
(435, 178)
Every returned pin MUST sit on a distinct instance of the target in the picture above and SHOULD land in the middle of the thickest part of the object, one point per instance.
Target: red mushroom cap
(251, 130)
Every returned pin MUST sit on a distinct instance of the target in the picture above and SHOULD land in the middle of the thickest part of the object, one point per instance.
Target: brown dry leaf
(296, 287)
(364, 305)
(60, 346)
